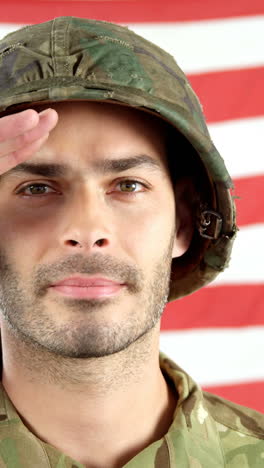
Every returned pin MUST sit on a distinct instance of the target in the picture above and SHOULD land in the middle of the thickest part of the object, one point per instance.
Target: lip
(92, 287)
(87, 282)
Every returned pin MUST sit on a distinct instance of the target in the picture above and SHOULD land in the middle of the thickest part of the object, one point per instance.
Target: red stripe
(233, 94)
(219, 306)
(251, 201)
(128, 10)
(246, 394)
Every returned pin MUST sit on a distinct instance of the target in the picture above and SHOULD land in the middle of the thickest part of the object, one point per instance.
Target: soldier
(114, 201)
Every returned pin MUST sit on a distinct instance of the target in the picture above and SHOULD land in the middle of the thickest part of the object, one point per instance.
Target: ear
(184, 199)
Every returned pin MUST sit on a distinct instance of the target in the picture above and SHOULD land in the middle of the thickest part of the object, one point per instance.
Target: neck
(103, 389)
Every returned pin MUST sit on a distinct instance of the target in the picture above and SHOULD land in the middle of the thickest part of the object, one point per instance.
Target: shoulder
(235, 417)
(240, 430)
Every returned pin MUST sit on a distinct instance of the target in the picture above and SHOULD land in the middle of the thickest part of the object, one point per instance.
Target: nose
(87, 224)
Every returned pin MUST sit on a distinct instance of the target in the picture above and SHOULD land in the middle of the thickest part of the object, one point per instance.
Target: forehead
(116, 116)
(106, 130)
(102, 137)
(104, 109)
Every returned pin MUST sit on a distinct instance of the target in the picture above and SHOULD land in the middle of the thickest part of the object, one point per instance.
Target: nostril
(73, 242)
(100, 242)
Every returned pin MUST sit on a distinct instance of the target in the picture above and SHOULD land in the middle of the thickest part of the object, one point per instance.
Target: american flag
(217, 333)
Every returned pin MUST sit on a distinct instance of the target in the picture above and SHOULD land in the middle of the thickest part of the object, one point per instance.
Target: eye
(128, 186)
(35, 189)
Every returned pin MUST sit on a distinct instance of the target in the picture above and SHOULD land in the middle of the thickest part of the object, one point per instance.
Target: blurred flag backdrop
(216, 334)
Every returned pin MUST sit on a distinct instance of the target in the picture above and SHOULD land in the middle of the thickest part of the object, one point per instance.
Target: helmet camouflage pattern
(70, 58)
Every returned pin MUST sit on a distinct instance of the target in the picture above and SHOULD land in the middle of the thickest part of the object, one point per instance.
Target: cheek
(21, 229)
(21, 237)
(148, 236)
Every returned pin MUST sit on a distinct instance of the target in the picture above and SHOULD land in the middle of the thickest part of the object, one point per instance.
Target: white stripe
(203, 46)
(240, 142)
(8, 28)
(247, 260)
(217, 356)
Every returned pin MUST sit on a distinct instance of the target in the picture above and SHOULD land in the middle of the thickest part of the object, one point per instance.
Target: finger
(16, 124)
(16, 157)
(47, 121)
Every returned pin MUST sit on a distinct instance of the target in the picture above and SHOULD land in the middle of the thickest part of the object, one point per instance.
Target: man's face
(110, 215)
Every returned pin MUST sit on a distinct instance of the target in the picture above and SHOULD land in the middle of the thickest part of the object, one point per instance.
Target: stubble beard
(87, 336)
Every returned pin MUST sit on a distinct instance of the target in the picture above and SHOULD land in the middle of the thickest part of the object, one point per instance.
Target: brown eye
(128, 186)
(35, 189)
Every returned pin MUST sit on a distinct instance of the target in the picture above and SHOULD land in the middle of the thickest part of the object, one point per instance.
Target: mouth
(87, 288)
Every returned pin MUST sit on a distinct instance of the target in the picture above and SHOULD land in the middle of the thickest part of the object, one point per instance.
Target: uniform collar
(193, 437)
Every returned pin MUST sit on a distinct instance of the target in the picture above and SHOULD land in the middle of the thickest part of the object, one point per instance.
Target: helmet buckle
(210, 224)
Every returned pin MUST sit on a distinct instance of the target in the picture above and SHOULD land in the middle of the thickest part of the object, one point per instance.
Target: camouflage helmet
(72, 59)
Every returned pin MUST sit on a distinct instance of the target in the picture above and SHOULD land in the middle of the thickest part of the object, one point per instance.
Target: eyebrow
(103, 166)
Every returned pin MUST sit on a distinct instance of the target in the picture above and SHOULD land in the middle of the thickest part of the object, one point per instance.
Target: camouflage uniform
(207, 432)
(78, 59)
